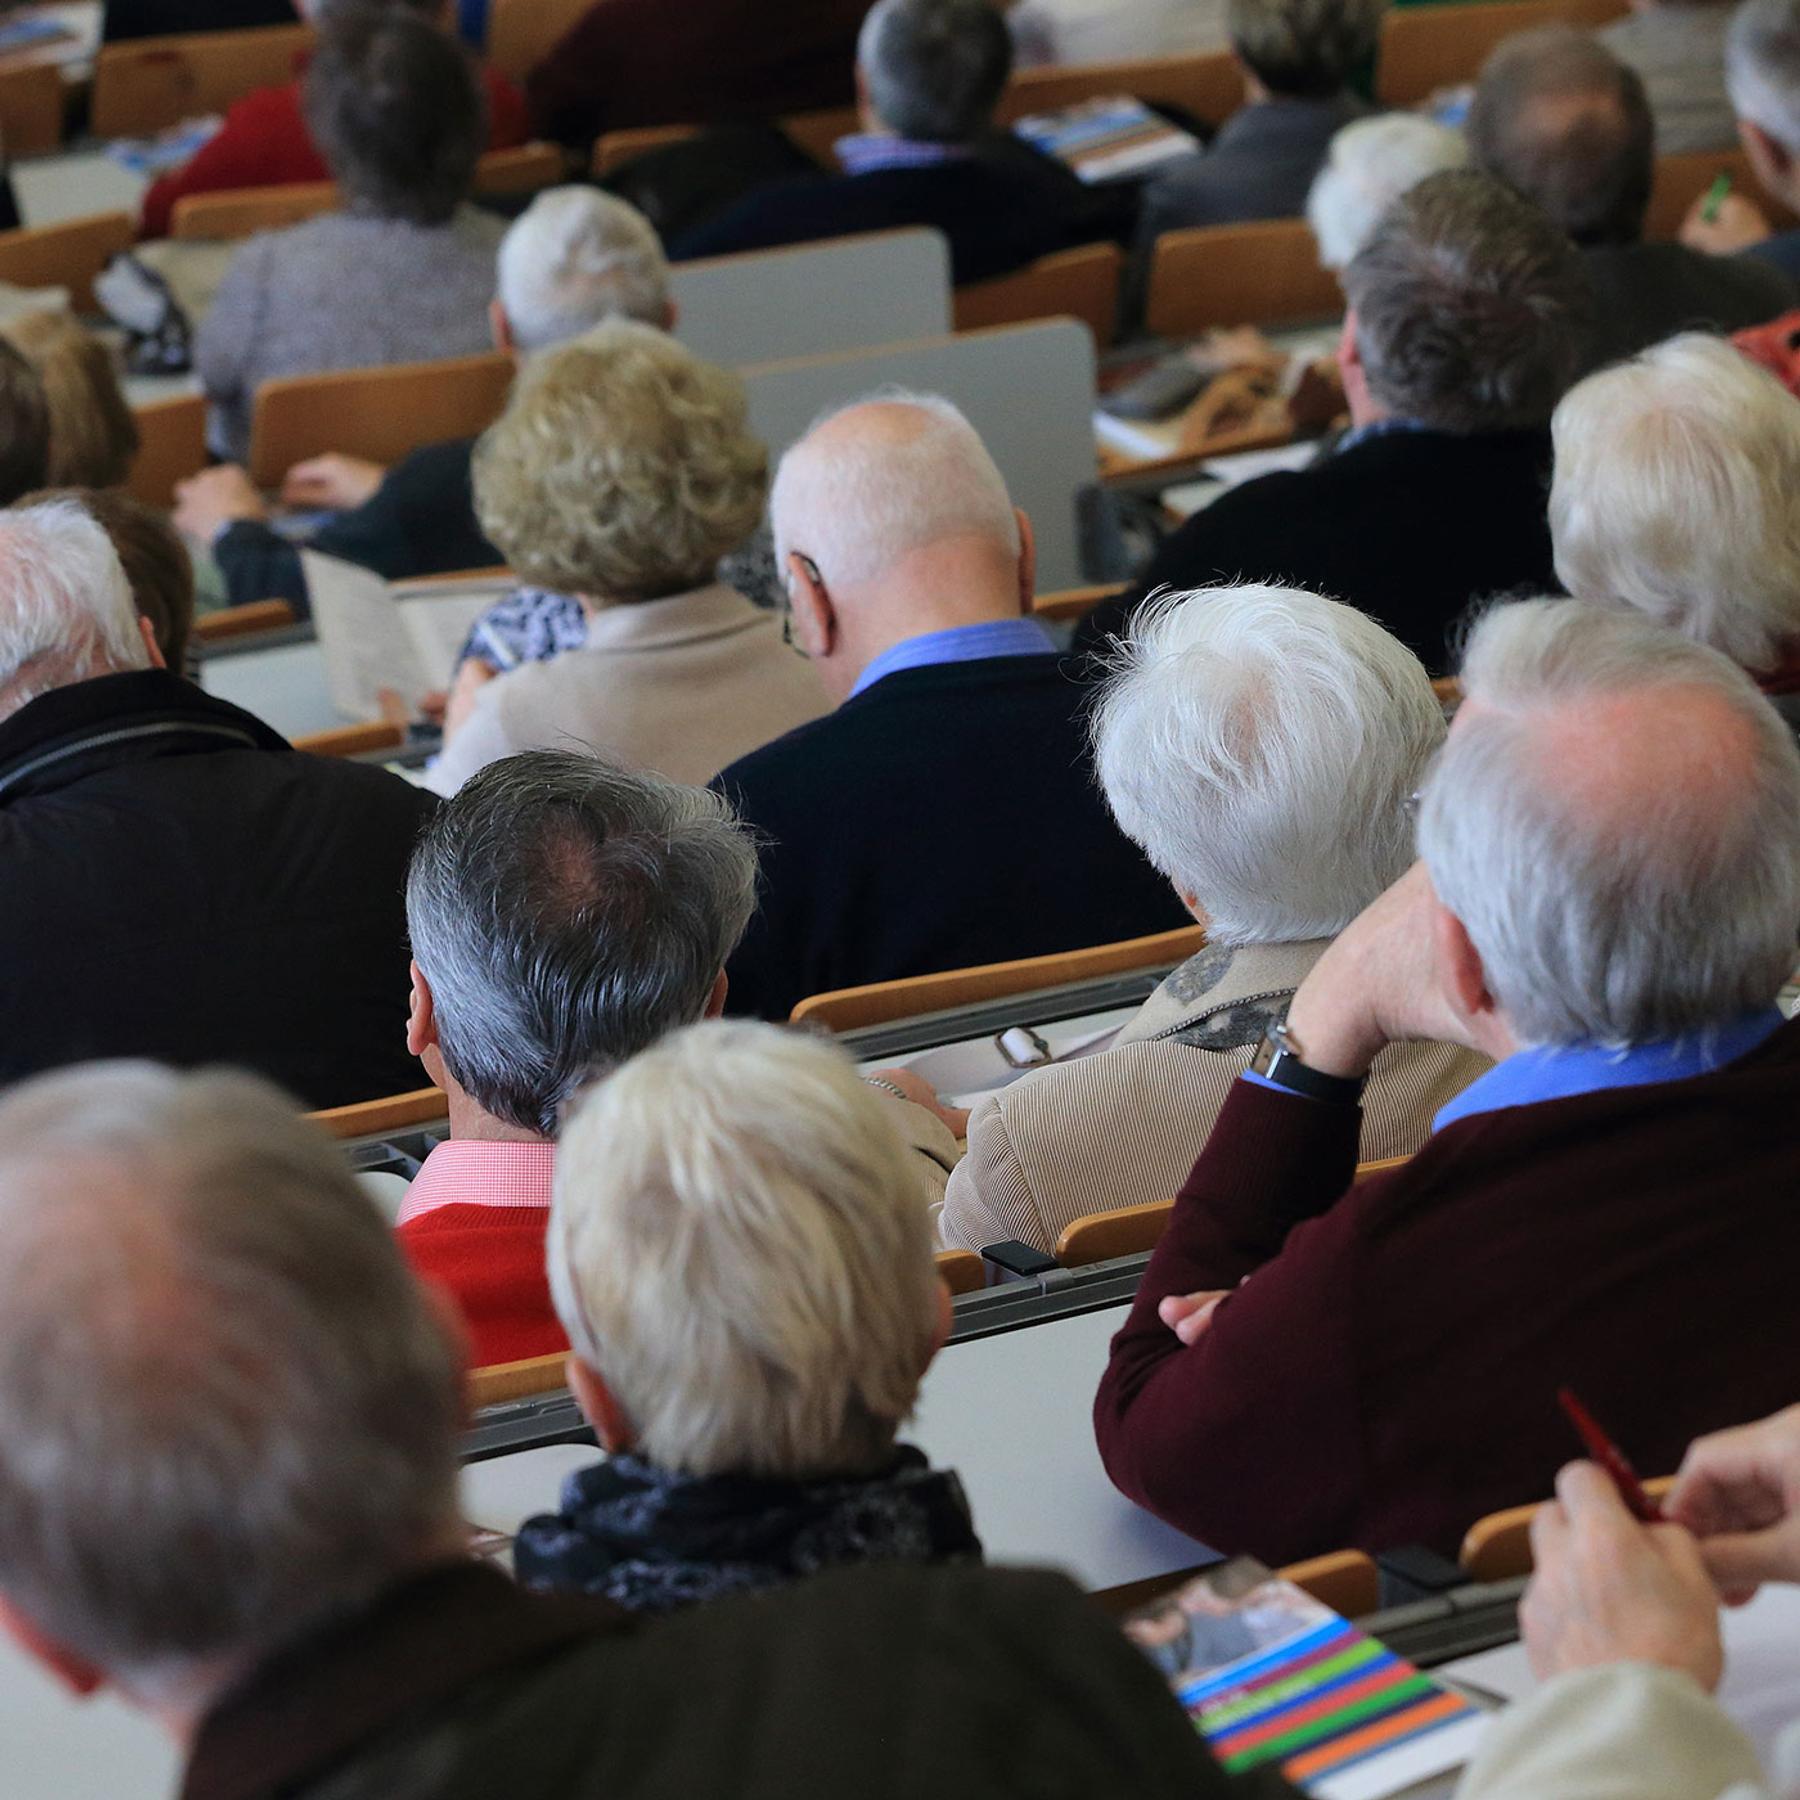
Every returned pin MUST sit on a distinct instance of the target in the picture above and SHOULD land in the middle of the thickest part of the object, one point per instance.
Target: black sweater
(946, 816)
(1410, 527)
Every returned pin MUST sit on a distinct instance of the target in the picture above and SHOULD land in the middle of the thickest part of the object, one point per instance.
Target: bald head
(1560, 119)
(896, 506)
(1615, 821)
(225, 1407)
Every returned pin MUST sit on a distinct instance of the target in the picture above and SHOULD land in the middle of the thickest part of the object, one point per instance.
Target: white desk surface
(74, 184)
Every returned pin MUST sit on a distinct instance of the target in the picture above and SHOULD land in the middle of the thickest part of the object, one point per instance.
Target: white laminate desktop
(74, 184)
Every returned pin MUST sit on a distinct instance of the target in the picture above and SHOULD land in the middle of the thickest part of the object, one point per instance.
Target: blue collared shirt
(960, 643)
(1562, 1071)
(866, 152)
(1362, 434)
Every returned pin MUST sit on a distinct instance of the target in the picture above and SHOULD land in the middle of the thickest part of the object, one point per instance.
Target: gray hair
(1303, 49)
(1677, 477)
(867, 499)
(1616, 822)
(226, 1408)
(1762, 68)
(567, 913)
(575, 258)
(738, 1246)
(1563, 121)
(1372, 162)
(1261, 746)
(1472, 309)
(66, 612)
(934, 69)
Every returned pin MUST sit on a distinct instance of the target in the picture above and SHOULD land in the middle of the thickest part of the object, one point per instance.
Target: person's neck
(472, 1123)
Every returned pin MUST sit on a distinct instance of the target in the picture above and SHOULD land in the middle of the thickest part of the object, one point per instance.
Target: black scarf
(651, 1541)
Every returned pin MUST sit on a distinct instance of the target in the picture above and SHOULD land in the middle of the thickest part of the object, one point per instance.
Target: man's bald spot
(871, 424)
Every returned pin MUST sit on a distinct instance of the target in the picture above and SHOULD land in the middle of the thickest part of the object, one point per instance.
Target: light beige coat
(1123, 1127)
(681, 687)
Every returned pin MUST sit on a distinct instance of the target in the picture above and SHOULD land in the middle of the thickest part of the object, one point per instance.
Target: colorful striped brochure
(1268, 1674)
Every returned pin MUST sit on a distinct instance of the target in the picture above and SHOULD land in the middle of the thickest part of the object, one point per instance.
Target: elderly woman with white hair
(1262, 746)
(1677, 493)
(739, 1257)
(623, 469)
(1372, 162)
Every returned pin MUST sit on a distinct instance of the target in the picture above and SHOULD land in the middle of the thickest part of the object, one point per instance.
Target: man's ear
(1027, 561)
(1465, 980)
(671, 315)
(809, 605)
(612, 1426)
(421, 1020)
(81, 1677)
(1349, 353)
(715, 1001)
(940, 1329)
(500, 327)
(147, 632)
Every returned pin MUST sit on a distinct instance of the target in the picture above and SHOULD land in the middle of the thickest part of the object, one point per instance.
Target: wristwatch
(1278, 1059)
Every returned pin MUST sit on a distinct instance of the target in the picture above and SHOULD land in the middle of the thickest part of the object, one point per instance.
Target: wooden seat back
(68, 255)
(1077, 284)
(1425, 48)
(147, 85)
(1134, 1230)
(382, 414)
(962, 1271)
(242, 621)
(397, 1112)
(171, 447)
(881, 1002)
(521, 33)
(32, 102)
(1683, 178)
(1068, 604)
(352, 740)
(500, 1382)
(1345, 1580)
(1498, 1547)
(1265, 273)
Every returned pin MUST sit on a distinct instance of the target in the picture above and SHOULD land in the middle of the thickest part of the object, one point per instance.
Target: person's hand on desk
(921, 1093)
(1378, 984)
(331, 483)
(206, 503)
(1736, 224)
(1609, 1590)
(1739, 1492)
(472, 675)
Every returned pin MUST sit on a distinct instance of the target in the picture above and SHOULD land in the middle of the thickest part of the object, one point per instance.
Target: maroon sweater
(1389, 1374)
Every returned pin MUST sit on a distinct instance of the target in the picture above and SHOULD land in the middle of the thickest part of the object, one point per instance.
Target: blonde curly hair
(622, 469)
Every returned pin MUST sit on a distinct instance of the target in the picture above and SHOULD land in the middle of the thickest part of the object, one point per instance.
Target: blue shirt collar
(1562, 1071)
(960, 643)
(865, 152)
(1362, 434)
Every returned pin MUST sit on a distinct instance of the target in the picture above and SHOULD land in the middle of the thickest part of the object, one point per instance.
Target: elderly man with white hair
(928, 76)
(572, 260)
(1675, 488)
(228, 1491)
(1371, 163)
(1262, 745)
(945, 814)
(1607, 906)
(175, 881)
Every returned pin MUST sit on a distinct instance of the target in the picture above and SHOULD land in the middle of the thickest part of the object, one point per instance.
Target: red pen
(1611, 1458)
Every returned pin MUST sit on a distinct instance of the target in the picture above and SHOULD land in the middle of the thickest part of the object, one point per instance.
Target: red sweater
(1389, 1374)
(264, 143)
(491, 1259)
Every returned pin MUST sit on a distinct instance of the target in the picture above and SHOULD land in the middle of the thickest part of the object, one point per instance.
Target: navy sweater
(946, 816)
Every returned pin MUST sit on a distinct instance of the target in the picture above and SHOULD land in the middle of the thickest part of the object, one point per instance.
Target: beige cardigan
(1123, 1127)
(681, 686)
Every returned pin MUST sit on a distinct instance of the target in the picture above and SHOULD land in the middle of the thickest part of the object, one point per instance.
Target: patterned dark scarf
(653, 1542)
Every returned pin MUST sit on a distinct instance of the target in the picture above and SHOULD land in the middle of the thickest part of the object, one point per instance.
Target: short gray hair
(1472, 309)
(226, 1407)
(575, 258)
(1261, 745)
(1616, 822)
(1762, 68)
(66, 612)
(1563, 121)
(739, 1248)
(872, 497)
(935, 69)
(1676, 482)
(1372, 162)
(567, 913)
(1303, 49)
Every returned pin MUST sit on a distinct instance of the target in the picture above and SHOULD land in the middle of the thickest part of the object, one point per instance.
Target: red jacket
(1389, 1373)
(264, 142)
(491, 1259)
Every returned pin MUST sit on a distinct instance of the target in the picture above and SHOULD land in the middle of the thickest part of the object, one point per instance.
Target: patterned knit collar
(652, 1541)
